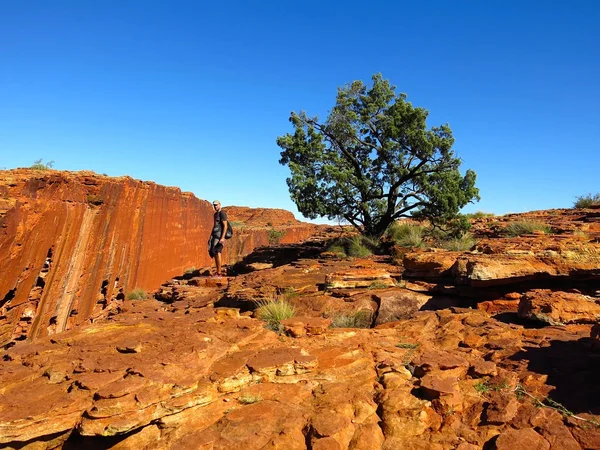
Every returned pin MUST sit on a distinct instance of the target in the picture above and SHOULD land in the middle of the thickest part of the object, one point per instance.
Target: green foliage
(289, 293)
(482, 387)
(377, 285)
(137, 294)
(273, 312)
(275, 236)
(478, 215)
(458, 244)
(189, 270)
(358, 319)
(587, 201)
(407, 234)
(373, 160)
(522, 227)
(357, 246)
(40, 165)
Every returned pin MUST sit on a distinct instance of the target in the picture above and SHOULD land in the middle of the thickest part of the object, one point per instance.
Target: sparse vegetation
(478, 215)
(522, 227)
(547, 402)
(189, 270)
(275, 236)
(482, 387)
(458, 244)
(357, 246)
(407, 234)
(137, 294)
(274, 311)
(248, 399)
(358, 319)
(587, 201)
(377, 285)
(289, 293)
(408, 345)
(41, 165)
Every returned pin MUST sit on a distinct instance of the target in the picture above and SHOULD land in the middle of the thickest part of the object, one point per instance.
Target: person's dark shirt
(220, 217)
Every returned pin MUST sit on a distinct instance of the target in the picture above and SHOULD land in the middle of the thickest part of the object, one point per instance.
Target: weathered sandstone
(71, 243)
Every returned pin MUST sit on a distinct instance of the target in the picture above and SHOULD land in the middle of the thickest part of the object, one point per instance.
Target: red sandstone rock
(526, 438)
(73, 242)
(360, 277)
(559, 308)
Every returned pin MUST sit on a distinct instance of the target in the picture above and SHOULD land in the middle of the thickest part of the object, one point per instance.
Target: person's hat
(216, 202)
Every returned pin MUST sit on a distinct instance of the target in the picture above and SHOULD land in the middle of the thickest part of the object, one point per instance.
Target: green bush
(407, 234)
(357, 246)
(459, 244)
(337, 248)
(274, 311)
(137, 294)
(587, 201)
(361, 246)
(275, 236)
(358, 319)
(40, 165)
(478, 215)
(522, 227)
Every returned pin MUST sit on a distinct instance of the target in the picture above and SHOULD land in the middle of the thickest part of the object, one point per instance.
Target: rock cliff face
(70, 243)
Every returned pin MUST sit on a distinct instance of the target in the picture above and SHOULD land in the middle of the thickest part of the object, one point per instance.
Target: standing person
(217, 237)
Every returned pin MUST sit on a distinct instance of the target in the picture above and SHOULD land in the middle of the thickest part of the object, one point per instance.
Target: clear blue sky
(194, 94)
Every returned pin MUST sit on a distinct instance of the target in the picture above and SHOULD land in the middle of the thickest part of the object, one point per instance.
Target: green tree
(373, 161)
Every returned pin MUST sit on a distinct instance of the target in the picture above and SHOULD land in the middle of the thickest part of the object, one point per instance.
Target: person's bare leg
(218, 262)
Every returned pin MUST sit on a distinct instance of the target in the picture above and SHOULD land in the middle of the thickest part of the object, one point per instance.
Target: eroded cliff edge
(72, 242)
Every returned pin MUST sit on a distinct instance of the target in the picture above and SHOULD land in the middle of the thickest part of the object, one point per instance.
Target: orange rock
(525, 438)
(559, 308)
(73, 242)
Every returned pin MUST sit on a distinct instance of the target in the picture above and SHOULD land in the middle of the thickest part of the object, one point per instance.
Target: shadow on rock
(573, 368)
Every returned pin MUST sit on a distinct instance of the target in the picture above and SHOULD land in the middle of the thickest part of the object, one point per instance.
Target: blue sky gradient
(194, 94)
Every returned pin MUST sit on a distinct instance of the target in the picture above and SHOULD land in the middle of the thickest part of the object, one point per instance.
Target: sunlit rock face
(73, 242)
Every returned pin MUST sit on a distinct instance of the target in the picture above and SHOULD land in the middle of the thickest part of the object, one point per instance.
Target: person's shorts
(214, 246)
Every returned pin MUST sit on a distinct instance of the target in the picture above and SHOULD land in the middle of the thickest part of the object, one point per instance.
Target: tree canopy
(373, 161)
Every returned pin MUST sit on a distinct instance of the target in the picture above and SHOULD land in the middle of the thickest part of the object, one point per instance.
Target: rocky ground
(496, 347)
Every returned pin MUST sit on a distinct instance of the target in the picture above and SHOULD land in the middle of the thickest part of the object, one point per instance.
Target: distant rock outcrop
(73, 242)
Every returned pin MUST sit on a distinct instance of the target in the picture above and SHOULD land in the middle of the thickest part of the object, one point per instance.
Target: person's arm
(224, 226)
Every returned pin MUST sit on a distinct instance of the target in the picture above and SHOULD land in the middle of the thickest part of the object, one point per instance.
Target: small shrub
(248, 399)
(377, 285)
(273, 312)
(275, 236)
(289, 293)
(459, 244)
(522, 227)
(40, 165)
(479, 215)
(189, 270)
(407, 234)
(337, 248)
(358, 319)
(482, 387)
(360, 246)
(137, 294)
(357, 246)
(587, 201)
(408, 345)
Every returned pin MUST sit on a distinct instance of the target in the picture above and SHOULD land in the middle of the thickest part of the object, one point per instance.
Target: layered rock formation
(431, 355)
(72, 243)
